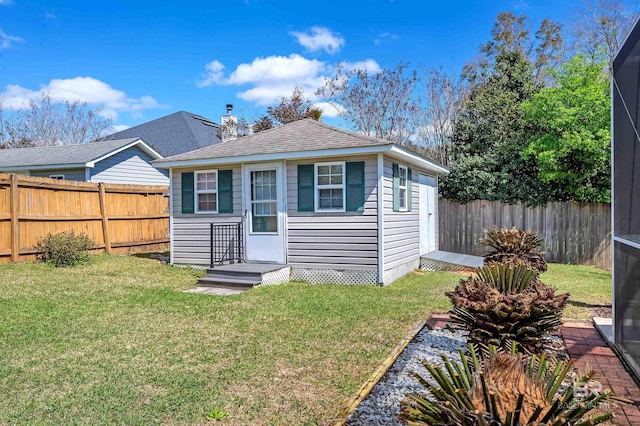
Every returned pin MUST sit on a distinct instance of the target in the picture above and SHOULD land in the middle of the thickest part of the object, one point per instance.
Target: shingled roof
(64, 155)
(299, 136)
(175, 133)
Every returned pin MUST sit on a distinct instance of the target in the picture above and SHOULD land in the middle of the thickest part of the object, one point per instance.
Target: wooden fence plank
(32, 207)
(573, 233)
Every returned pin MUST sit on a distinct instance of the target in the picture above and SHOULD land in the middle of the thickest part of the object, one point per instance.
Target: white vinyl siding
(131, 166)
(330, 239)
(191, 233)
(401, 229)
(69, 174)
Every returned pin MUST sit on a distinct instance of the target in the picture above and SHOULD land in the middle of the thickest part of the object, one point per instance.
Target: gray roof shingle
(299, 136)
(59, 155)
(174, 134)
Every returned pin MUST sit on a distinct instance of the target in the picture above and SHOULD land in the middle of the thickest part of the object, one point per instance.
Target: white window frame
(197, 193)
(404, 188)
(59, 177)
(317, 188)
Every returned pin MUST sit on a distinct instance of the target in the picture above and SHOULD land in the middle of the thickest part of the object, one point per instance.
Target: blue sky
(139, 60)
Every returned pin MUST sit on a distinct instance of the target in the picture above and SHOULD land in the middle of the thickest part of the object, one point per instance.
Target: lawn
(116, 341)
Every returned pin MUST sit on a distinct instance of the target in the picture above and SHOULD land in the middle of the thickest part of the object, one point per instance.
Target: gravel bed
(382, 405)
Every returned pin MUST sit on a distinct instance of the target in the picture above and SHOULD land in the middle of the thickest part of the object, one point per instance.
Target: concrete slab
(455, 258)
(215, 291)
(605, 326)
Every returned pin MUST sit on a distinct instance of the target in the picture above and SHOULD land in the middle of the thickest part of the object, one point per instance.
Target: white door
(427, 213)
(264, 204)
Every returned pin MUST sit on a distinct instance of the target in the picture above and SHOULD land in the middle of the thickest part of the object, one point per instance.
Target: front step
(238, 276)
(222, 281)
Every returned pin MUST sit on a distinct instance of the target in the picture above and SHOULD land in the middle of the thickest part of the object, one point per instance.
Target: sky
(140, 60)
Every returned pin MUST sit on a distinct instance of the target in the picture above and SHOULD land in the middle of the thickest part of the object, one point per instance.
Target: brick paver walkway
(586, 347)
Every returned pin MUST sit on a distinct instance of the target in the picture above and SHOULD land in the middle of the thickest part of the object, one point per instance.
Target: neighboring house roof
(301, 139)
(174, 133)
(68, 156)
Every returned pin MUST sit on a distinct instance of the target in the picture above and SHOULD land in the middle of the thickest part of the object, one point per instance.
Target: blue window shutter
(409, 196)
(355, 186)
(225, 191)
(396, 188)
(187, 192)
(305, 188)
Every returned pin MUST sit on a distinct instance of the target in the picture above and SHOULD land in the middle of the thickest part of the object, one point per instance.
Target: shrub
(65, 248)
(503, 389)
(506, 304)
(514, 245)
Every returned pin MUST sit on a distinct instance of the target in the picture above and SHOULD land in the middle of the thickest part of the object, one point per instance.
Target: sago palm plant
(514, 245)
(502, 389)
(506, 304)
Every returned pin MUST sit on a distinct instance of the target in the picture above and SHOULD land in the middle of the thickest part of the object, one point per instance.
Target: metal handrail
(227, 244)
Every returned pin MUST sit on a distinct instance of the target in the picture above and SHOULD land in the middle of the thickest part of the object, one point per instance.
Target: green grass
(116, 341)
(588, 287)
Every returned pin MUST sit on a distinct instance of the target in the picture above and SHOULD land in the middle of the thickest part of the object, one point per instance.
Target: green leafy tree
(489, 137)
(570, 131)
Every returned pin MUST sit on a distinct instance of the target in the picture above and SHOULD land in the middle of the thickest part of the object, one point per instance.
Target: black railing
(226, 243)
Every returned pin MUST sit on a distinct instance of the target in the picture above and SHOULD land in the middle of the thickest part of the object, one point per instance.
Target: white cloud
(213, 74)
(6, 39)
(6, 2)
(84, 89)
(368, 65)
(384, 37)
(319, 38)
(329, 110)
(272, 77)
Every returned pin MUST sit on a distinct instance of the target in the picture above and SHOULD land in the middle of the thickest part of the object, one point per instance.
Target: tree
(602, 24)
(570, 131)
(511, 34)
(378, 104)
(443, 94)
(47, 122)
(294, 108)
(488, 137)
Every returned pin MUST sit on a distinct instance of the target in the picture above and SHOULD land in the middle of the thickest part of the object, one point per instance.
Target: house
(174, 134)
(125, 161)
(625, 89)
(333, 205)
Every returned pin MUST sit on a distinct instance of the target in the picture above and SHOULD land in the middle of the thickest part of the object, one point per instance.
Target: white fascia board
(45, 167)
(275, 157)
(146, 148)
(416, 159)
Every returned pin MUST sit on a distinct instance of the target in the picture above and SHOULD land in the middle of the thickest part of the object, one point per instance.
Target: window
(58, 177)
(264, 201)
(329, 190)
(402, 187)
(206, 191)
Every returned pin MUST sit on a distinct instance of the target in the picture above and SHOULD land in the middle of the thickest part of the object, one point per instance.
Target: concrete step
(222, 273)
(227, 282)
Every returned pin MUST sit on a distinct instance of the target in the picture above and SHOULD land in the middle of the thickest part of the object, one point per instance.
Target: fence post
(15, 220)
(105, 219)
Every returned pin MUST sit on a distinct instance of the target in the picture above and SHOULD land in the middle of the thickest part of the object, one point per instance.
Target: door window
(264, 201)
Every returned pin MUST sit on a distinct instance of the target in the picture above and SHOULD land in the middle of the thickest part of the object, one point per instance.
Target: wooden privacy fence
(119, 218)
(573, 233)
